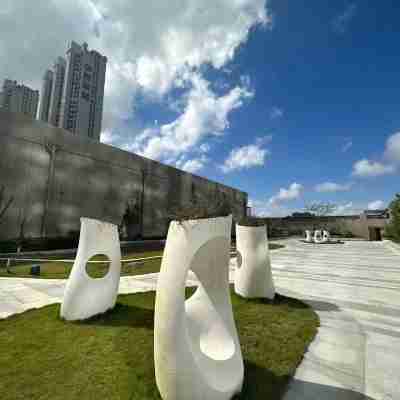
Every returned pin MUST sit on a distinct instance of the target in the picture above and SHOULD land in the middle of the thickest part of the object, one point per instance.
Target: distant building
(45, 96)
(19, 98)
(57, 91)
(379, 214)
(77, 92)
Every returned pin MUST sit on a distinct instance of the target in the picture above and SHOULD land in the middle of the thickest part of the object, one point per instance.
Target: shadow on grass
(279, 299)
(123, 315)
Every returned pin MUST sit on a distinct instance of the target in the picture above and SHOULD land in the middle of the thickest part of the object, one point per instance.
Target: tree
(320, 209)
(4, 202)
(129, 226)
(21, 239)
(393, 228)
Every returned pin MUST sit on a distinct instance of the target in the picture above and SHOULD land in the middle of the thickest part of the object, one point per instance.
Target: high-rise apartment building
(45, 95)
(57, 91)
(77, 93)
(19, 98)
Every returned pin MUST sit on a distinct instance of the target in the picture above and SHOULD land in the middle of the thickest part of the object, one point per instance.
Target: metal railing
(9, 260)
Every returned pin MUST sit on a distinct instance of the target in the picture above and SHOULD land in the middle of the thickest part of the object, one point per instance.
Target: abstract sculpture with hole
(318, 236)
(197, 353)
(253, 276)
(325, 236)
(309, 237)
(84, 296)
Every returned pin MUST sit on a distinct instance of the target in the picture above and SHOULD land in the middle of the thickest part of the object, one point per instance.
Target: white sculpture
(197, 352)
(309, 236)
(317, 236)
(85, 296)
(253, 276)
(325, 236)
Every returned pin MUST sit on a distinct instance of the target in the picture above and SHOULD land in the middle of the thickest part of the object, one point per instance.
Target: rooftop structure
(19, 98)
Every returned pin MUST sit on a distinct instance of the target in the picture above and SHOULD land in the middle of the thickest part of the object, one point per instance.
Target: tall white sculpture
(85, 296)
(197, 352)
(317, 236)
(309, 236)
(253, 276)
(325, 236)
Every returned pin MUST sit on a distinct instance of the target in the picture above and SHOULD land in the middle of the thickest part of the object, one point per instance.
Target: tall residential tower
(76, 100)
(19, 98)
(45, 96)
(57, 91)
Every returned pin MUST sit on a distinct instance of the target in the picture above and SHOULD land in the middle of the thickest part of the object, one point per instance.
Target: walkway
(355, 288)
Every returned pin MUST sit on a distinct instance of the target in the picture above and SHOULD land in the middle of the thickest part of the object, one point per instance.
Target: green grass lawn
(111, 356)
(61, 270)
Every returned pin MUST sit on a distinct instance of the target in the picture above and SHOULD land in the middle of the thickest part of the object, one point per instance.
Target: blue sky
(292, 102)
(325, 83)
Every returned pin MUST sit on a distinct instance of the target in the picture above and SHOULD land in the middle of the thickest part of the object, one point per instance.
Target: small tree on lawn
(320, 209)
(393, 229)
(5, 202)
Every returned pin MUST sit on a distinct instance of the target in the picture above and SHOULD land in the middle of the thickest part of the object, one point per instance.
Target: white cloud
(293, 192)
(265, 209)
(347, 209)
(244, 157)
(331, 187)
(392, 149)
(341, 22)
(376, 205)
(151, 46)
(108, 137)
(276, 113)
(367, 168)
(205, 114)
(193, 165)
(347, 145)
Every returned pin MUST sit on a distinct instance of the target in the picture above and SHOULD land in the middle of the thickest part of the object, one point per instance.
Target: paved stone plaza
(354, 287)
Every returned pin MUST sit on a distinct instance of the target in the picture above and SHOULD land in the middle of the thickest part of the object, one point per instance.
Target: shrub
(251, 221)
(199, 210)
(392, 231)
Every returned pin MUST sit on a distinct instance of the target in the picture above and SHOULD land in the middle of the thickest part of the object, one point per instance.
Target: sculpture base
(328, 242)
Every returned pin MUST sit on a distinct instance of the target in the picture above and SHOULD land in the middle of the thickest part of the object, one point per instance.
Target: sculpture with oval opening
(318, 236)
(197, 353)
(309, 237)
(253, 276)
(85, 296)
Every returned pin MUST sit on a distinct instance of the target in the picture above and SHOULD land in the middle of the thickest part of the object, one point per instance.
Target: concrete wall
(296, 226)
(56, 177)
(358, 225)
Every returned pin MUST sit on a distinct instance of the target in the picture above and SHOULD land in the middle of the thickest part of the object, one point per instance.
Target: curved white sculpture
(325, 236)
(318, 236)
(197, 353)
(253, 276)
(85, 296)
(309, 236)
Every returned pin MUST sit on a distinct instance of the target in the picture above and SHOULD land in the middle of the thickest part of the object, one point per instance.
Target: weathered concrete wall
(297, 226)
(358, 225)
(56, 177)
